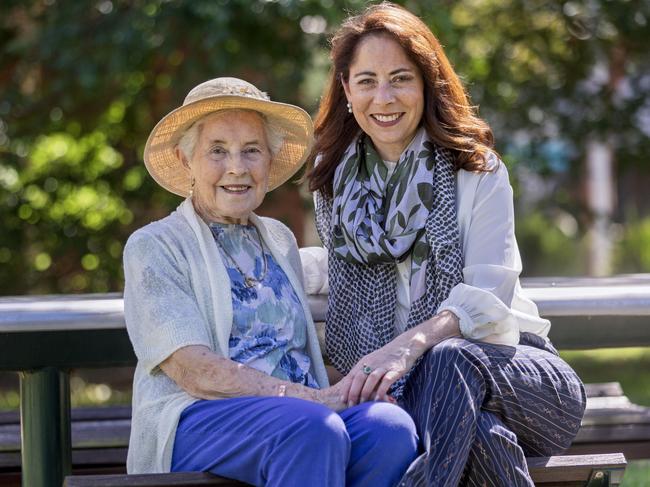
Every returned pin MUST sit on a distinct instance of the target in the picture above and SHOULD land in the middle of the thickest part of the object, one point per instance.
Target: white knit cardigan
(177, 293)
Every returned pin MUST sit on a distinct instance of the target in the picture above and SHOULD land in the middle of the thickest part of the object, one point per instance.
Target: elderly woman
(230, 377)
(415, 210)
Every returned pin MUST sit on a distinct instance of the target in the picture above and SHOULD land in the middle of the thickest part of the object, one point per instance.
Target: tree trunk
(600, 202)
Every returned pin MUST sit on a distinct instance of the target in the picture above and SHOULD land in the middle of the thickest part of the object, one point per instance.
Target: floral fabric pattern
(269, 325)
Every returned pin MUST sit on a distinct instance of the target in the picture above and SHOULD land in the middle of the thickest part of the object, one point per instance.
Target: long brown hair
(448, 117)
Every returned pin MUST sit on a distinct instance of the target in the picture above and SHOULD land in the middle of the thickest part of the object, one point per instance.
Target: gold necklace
(248, 280)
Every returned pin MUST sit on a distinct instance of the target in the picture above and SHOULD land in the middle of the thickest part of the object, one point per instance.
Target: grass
(630, 367)
(637, 474)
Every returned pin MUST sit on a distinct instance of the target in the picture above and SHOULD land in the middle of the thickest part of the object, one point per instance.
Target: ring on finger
(366, 369)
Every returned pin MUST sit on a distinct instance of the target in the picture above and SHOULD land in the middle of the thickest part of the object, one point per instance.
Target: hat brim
(292, 122)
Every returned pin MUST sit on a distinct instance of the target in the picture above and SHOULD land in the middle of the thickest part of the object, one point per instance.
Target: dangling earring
(192, 187)
(349, 107)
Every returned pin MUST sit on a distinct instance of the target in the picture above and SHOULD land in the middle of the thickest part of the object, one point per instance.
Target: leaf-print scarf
(379, 218)
(365, 238)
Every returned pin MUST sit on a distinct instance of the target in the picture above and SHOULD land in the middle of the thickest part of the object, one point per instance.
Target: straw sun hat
(222, 94)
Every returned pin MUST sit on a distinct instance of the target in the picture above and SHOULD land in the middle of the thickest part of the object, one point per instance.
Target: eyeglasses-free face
(230, 166)
(386, 91)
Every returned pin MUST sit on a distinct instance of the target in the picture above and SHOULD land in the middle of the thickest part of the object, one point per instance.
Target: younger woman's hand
(372, 377)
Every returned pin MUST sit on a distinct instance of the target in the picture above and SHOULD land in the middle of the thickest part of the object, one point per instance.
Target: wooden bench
(613, 424)
(151, 480)
(580, 470)
(46, 336)
(100, 435)
(100, 439)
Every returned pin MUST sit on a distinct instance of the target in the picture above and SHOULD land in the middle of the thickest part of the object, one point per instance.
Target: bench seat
(100, 435)
(552, 471)
(612, 423)
(151, 480)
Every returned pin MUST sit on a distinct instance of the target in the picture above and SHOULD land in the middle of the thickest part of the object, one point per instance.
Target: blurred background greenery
(83, 83)
(564, 84)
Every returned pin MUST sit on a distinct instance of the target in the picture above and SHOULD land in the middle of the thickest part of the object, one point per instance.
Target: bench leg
(45, 427)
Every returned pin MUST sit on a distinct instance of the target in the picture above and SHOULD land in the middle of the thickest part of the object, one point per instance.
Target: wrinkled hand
(388, 364)
(332, 397)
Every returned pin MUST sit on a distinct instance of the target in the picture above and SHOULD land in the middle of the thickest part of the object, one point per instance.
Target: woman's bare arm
(203, 374)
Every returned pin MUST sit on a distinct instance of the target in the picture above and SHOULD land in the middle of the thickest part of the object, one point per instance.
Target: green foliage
(636, 474)
(633, 250)
(614, 365)
(557, 69)
(83, 83)
(83, 392)
(550, 250)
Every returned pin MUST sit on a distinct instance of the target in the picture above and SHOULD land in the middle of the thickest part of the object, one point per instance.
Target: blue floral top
(269, 324)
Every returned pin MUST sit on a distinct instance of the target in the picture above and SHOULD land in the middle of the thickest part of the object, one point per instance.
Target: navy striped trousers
(480, 409)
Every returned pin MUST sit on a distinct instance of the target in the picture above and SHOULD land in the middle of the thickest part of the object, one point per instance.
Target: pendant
(250, 282)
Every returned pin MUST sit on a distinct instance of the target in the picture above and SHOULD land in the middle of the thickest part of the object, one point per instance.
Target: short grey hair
(274, 135)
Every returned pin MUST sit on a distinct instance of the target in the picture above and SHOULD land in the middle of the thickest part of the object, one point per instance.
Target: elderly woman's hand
(374, 374)
(332, 397)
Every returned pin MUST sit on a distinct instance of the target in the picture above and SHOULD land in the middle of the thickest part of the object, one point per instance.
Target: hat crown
(224, 87)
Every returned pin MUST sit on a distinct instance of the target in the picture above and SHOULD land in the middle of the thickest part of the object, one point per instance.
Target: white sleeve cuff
(314, 269)
(481, 315)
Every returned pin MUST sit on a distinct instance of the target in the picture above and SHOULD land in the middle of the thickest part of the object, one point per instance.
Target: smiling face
(230, 165)
(386, 91)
